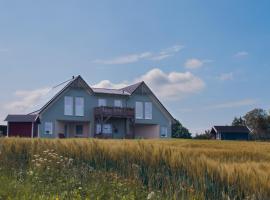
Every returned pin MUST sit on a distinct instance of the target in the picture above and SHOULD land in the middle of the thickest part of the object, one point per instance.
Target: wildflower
(150, 195)
(80, 188)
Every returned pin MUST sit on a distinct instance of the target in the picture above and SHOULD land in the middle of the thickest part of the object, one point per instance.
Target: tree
(205, 136)
(238, 122)
(257, 120)
(179, 131)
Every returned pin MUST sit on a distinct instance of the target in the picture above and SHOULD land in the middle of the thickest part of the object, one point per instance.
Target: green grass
(133, 169)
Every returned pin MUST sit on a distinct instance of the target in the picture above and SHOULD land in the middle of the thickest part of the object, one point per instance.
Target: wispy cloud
(241, 54)
(225, 76)
(195, 63)
(26, 99)
(233, 104)
(168, 86)
(132, 58)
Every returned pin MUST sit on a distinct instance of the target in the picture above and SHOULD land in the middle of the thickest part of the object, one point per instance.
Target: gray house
(78, 110)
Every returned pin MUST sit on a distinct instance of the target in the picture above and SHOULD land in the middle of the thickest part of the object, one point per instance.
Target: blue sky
(208, 61)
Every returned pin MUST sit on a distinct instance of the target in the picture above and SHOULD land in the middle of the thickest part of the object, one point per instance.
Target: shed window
(68, 105)
(102, 102)
(118, 103)
(79, 106)
(139, 110)
(48, 128)
(148, 110)
(164, 131)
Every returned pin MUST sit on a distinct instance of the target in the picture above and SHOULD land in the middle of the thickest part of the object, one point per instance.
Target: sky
(208, 61)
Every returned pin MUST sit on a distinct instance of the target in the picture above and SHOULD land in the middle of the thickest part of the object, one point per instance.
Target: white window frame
(79, 106)
(68, 109)
(148, 109)
(98, 129)
(102, 102)
(48, 128)
(118, 103)
(164, 132)
(139, 110)
(107, 129)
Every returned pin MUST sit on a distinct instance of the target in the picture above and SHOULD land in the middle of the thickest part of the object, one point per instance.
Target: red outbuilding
(22, 125)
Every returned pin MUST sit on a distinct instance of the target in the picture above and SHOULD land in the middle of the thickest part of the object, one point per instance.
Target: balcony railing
(114, 112)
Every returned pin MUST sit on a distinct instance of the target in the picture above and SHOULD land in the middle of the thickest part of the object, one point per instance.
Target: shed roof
(21, 118)
(231, 129)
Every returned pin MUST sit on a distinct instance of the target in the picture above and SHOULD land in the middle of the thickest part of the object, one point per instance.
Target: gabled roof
(131, 88)
(64, 86)
(110, 91)
(231, 129)
(22, 118)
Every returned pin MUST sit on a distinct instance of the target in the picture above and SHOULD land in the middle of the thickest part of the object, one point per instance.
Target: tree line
(257, 120)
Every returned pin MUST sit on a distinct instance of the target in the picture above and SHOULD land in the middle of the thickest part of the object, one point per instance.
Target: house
(78, 110)
(3, 130)
(230, 132)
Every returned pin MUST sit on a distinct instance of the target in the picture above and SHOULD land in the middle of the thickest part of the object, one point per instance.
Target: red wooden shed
(22, 125)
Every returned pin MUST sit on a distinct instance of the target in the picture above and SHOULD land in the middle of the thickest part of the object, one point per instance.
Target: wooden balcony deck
(107, 111)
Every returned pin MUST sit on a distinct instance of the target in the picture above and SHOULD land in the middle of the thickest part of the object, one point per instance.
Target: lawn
(133, 169)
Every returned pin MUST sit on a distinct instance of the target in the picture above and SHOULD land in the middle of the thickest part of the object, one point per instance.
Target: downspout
(32, 133)
(7, 129)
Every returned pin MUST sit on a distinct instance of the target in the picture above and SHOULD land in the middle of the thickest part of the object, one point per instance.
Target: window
(98, 129)
(139, 110)
(79, 129)
(79, 106)
(164, 132)
(148, 110)
(102, 102)
(68, 106)
(107, 129)
(48, 128)
(118, 103)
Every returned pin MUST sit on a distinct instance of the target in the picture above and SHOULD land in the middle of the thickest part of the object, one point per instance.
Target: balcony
(106, 111)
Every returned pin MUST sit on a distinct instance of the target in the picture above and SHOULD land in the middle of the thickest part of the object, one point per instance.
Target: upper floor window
(164, 131)
(79, 106)
(68, 110)
(102, 102)
(118, 103)
(148, 110)
(139, 110)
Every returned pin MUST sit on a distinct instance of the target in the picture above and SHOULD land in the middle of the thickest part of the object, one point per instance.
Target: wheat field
(137, 169)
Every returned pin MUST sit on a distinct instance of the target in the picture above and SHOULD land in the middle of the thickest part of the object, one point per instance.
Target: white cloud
(26, 99)
(226, 76)
(173, 85)
(109, 84)
(132, 58)
(195, 63)
(233, 104)
(241, 54)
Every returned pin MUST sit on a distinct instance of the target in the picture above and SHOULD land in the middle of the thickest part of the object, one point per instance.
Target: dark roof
(131, 88)
(21, 118)
(231, 129)
(110, 91)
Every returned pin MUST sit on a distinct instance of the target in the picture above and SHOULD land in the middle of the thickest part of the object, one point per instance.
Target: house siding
(55, 112)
